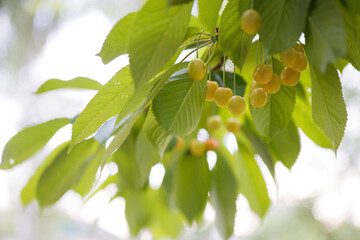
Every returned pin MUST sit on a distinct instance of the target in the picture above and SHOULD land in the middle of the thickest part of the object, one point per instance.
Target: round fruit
(288, 57)
(212, 144)
(197, 69)
(289, 77)
(273, 86)
(233, 125)
(210, 90)
(222, 96)
(298, 47)
(254, 85)
(237, 105)
(213, 123)
(301, 63)
(263, 73)
(197, 148)
(250, 21)
(258, 98)
(179, 144)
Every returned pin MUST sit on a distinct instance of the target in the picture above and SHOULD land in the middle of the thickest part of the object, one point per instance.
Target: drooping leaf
(157, 32)
(286, 145)
(146, 156)
(352, 5)
(209, 13)
(28, 141)
(325, 34)
(113, 179)
(282, 22)
(156, 134)
(191, 182)
(105, 104)
(64, 172)
(223, 196)
(28, 193)
(303, 119)
(178, 105)
(233, 40)
(341, 64)
(76, 83)
(270, 119)
(250, 180)
(117, 41)
(328, 105)
(237, 89)
(125, 127)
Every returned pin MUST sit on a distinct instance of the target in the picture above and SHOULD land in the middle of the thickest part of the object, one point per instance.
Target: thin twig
(195, 50)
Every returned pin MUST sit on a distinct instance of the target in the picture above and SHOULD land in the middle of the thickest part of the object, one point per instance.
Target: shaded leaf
(237, 89)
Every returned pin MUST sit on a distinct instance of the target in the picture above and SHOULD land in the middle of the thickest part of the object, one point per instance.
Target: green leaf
(223, 196)
(233, 40)
(117, 41)
(325, 34)
(352, 26)
(191, 182)
(88, 176)
(209, 13)
(64, 172)
(28, 141)
(146, 156)
(282, 22)
(177, 2)
(286, 145)
(114, 179)
(303, 119)
(240, 84)
(341, 64)
(105, 104)
(251, 61)
(250, 180)
(276, 114)
(156, 134)
(179, 104)
(79, 83)
(125, 128)
(328, 105)
(157, 32)
(28, 193)
(352, 5)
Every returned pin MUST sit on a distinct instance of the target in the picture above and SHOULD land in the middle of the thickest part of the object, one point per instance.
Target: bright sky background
(70, 52)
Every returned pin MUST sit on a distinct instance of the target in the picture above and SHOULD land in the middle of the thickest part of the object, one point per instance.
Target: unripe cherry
(289, 77)
(273, 86)
(263, 73)
(250, 21)
(197, 148)
(213, 123)
(211, 88)
(233, 125)
(222, 96)
(197, 69)
(237, 105)
(258, 98)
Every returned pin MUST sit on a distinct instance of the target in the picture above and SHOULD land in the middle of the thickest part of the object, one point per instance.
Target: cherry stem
(191, 43)
(207, 51)
(224, 70)
(211, 55)
(197, 44)
(234, 79)
(195, 50)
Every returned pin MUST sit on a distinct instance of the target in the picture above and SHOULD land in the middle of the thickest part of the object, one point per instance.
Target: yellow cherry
(233, 125)
(301, 63)
(237, 105)
(273, 86)
(222, 96)
(211, 88)
(289, 77)
(212, 144)
(288, 57)
(254, 85)
(250, 21)
(213, 123)
(298, 47)
(263, 73)
(197, 148)
(258, 98)
(197, 69)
